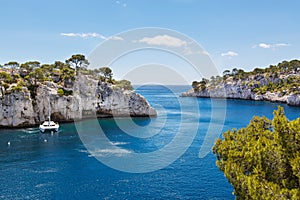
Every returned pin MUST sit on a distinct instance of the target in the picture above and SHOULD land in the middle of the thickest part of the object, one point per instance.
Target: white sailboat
(49, 125)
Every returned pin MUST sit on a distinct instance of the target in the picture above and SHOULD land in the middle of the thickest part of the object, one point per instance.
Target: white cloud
(189, 51)
(229, 54)
(268, 46)
(264, 45)
(91, 35)
(121, 3)
(163, 40)
(115, 38)
(282, 45)
(84, 35)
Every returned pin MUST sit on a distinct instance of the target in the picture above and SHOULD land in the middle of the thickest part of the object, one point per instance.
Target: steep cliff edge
(89, 98)
(279, 83)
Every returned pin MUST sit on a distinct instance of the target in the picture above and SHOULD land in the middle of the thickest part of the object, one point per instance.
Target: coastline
(230, 98)
(90, 98)
(82, 119)
(291, 100)
(280, 83)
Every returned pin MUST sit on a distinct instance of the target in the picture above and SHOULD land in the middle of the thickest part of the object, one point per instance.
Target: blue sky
(235, 33)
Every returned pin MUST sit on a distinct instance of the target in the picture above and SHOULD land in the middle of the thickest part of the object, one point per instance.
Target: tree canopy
(106, 72)
(78, 61)
(124, 84)
(262, 161)
(12, 65)
(282, 78)
(30, 73)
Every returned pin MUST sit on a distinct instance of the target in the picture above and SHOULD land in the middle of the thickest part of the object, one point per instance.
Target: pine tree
(262, 161)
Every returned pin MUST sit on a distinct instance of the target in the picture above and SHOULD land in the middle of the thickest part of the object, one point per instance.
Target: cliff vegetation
(18, 77)
(68, 90)
(278, 83)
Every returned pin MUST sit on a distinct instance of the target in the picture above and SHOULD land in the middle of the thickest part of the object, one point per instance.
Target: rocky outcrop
(293, 100)
(16, 109)
(244, 90)
(90, 98)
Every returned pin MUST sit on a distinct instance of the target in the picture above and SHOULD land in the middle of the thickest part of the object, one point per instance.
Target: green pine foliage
(62, 92)
(30, 74)
(262, 161)
(283, 77)
(124, 84)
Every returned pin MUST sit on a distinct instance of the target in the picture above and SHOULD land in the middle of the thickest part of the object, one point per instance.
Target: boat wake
(31, 130)
(119, 143)
(119, 152)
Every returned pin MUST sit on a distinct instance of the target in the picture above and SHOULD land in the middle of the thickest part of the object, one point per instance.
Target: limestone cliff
(89, 98)
(279, 83)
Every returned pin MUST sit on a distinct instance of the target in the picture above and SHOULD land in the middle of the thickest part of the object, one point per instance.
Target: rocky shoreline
(90, 98)
(291, 100)
(279, 83)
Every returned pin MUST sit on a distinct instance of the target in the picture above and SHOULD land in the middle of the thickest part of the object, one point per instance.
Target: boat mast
(49, 107)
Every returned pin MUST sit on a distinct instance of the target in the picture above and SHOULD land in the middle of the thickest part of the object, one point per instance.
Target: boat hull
(43, 130)
(49, 126)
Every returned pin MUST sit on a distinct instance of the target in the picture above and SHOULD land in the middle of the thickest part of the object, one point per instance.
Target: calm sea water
(58, 166)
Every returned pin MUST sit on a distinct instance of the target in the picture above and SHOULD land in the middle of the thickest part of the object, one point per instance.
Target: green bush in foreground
(262, 161)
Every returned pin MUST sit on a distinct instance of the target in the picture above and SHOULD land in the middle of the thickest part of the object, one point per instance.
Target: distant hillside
(277, 83)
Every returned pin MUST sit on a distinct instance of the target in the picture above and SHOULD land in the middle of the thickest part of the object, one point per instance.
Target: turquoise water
(58, 166)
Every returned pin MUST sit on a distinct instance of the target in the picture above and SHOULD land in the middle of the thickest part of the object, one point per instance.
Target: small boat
(49, 125)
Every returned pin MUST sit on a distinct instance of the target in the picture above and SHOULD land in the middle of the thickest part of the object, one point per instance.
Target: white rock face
(237, 90)
(90, 99)
(16, 109)
(293, 100)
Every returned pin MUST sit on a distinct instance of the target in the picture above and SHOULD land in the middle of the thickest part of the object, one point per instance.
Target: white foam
(110, 152)
(118, 143)
(33, 130)
(82, 151)
(46, 171)
(43, 185)
(106, 152)
(40, 185)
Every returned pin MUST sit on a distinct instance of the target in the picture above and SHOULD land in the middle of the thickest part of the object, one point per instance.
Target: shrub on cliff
(62, 92)
(124, 84)
(262, 161)
(31, 73)
(199, 86)
(283, 78)
(17, 88)
(6, 78)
